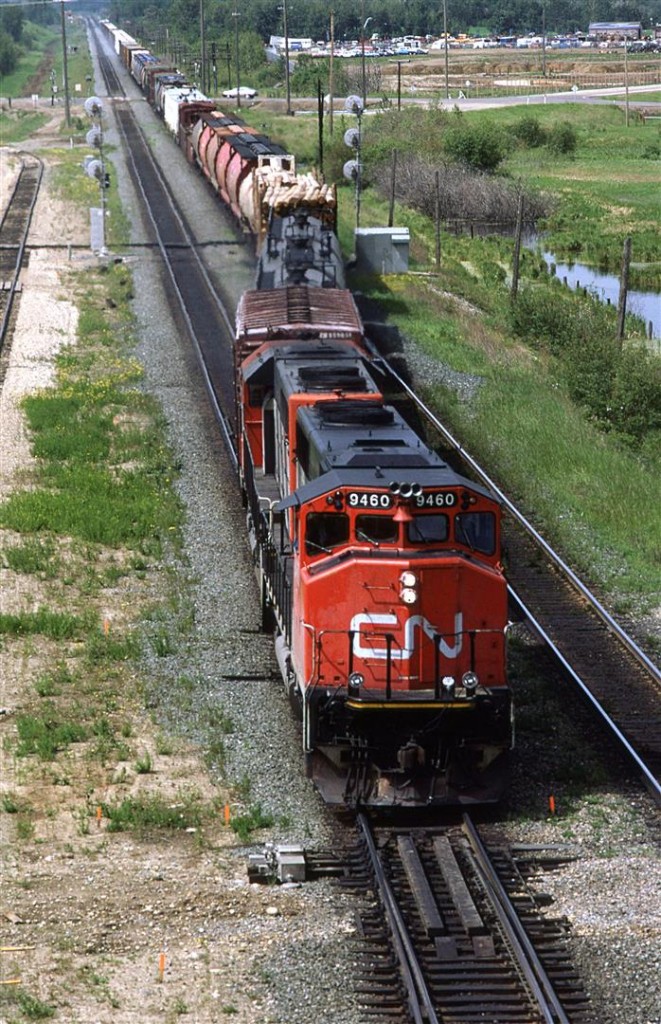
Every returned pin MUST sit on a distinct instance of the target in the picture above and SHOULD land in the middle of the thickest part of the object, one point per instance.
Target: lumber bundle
(282, 191)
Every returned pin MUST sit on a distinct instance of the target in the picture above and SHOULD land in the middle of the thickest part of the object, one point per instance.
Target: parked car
(245, 92)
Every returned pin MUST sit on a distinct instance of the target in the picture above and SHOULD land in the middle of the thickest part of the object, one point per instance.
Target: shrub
(529, 132)
(558, 318)
(636, 396)
(589, 366)
(465, 195)
(562, 139)
(480, 146)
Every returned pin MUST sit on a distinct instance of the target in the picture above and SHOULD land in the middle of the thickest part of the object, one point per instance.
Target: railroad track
(193, 297)
(14, 231)
(456, 934)
(618, 679)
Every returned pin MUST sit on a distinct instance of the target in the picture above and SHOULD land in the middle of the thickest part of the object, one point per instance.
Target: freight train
(379, 565)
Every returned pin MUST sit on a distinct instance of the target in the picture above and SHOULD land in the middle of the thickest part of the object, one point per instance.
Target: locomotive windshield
(428, 529)
(376, 529)
(477, 530)
(325, 531)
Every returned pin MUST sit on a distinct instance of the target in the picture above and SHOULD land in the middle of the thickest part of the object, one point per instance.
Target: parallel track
(194, 299)
(14, 231)
(458, 937)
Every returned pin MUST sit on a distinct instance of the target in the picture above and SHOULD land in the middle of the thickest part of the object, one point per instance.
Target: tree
(8, 54)
(11, 22)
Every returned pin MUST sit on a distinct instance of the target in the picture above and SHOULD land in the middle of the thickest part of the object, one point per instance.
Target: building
(603, 30)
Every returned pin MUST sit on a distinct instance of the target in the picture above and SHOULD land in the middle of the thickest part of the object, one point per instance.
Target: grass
(253, 820)
(54, 625)
(45, 736)
(35, 556)
(102, 482)
(31, 1007)
(154, 812)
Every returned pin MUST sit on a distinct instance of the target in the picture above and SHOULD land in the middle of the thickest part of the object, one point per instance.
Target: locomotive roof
(305, 352)
(300, 371)
(351, 432)
(379, 478)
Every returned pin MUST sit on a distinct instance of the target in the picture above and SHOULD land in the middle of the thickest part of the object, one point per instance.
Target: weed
(229, 1010)
(162, 643)
(144, 765)
(82, 817)
(101, 647)
(217, 719)
(215, 754)
(52, 683)
(30, 1006)
(152, 812)
(55, 625)
(24, 828)
(12, 804)
(164, 745)
(46, 735)
(245, 824)
(33, 557)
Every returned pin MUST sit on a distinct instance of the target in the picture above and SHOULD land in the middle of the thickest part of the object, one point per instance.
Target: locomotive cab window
(376, 529)
(325, 531)
(430, 529)
(477, 530)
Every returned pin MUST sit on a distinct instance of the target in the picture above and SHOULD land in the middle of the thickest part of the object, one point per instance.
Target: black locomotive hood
(378, 479)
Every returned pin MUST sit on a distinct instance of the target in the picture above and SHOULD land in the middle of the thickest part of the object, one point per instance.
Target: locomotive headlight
(356, 680)
(408, 595)
(469, 681)
(448, 686)
(408, 579)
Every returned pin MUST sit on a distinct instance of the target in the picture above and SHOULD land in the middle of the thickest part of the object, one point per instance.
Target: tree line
(388, 17)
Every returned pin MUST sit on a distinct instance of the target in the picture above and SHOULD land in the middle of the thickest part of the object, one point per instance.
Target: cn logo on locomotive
(363, 650)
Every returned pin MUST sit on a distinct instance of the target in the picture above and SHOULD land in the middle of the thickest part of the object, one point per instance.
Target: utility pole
(236, 15)
(445, 36)
(65, 68)
(626, 83)
(203, 50)
(364, 22)
(330, 69)
(287, 83)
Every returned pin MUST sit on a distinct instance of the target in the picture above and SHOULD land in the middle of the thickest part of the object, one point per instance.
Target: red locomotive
(379, 565)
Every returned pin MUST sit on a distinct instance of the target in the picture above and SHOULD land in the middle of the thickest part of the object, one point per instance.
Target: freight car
(379, 566)
(254, 177)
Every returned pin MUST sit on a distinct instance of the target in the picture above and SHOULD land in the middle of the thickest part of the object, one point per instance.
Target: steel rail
(22, 244)
(653, 784)
(527, 958)
(419, 996)
(606, 617)
(228, 434)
